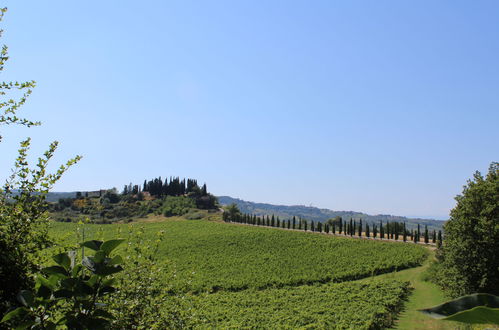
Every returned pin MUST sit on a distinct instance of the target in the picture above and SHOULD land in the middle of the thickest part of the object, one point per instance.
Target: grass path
(425, 294)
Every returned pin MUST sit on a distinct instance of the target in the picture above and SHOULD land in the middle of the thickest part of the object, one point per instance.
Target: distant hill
(317, 214)
(55, 196)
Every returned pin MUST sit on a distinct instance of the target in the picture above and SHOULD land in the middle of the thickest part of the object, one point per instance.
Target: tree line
(390, 230)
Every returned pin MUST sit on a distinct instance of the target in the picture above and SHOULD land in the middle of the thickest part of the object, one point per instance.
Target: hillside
(317, 214)
(234, 276)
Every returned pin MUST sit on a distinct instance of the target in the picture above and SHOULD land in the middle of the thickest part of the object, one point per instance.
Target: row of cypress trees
(390, 230)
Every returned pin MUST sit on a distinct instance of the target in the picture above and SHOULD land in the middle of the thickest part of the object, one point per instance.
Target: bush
(194, 215)
(144, 299)
(70, 294)
(177, 205)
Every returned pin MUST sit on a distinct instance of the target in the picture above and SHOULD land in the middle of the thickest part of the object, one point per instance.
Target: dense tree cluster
(468, 259)
(172, 187)
(158, 188)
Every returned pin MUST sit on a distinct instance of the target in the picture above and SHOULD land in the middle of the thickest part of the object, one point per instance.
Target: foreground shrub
(147, 297)
(70, 294)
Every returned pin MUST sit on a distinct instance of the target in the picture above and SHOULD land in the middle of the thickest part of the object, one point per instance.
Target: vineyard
(349, 305)
(243, 276)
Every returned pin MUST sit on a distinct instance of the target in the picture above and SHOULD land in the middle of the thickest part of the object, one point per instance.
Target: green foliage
(352, 305)
(23, 231)
(177, 205)
(146, 297)
(70, 293)
(471, 245)
(229, 257)
(473, 309)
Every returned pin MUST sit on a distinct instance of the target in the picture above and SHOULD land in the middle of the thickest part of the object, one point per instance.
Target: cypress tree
(334, 229)
(397, 231)
(375, 230)
(272, 221)
(381, 230)
(439, 239)
(360, 228)
(434, 237)
(419, 233)
(289, 224)
(305, 225)
(426, 238)
(294, 222)
(341, 225)
(352, 227)
(405, 234)
(299, 224)
(312, 227)
(368, 234)
(319, 224)
(326, 228)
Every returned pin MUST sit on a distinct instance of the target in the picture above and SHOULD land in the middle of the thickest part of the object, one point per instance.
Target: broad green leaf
(109, 246)
(466, 304)
(116, 260)
(477, 315)
(56, 270)
(16, 312)
(63, 293)
(83, 289)
(99, 257)
(108, 270)
(76, 269)
(62, 259)
(42, 282)
(94, 245)
(108, 282)
(26, 298)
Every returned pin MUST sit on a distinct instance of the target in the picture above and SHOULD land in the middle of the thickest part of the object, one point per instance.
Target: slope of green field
(349, 305)
(214, 255)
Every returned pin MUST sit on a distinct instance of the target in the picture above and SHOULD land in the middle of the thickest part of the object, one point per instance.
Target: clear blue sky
(374, 106)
